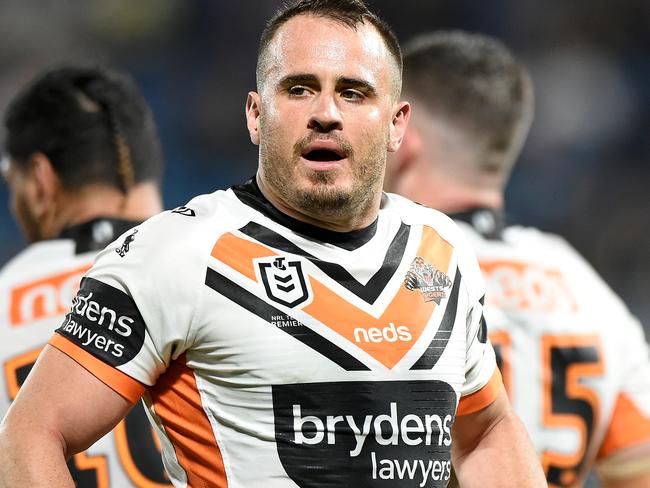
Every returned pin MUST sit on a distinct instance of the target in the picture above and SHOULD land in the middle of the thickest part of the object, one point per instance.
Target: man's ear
(401, 163)
(46, 184)
(253, 116)
(398, 125)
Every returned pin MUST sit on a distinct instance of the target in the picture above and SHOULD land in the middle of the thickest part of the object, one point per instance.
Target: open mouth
(323, 155)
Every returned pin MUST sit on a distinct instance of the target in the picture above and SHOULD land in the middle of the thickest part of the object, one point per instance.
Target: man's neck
(361, 219)
(91, 203)
(444, 193)
(459, 201)
(95, 201)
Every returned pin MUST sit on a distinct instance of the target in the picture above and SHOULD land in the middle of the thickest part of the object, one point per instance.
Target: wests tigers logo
(431, 282)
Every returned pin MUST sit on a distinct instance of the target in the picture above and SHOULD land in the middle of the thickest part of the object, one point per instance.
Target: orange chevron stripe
(239, 253)
(407, 309)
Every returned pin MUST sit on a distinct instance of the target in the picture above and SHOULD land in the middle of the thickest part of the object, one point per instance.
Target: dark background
(585, 170)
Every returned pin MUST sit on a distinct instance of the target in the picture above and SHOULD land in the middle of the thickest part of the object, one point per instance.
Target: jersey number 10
(135, 442)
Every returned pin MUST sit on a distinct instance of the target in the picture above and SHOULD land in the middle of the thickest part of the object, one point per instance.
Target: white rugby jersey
(273, 353)
(574, 361)
(36, 290)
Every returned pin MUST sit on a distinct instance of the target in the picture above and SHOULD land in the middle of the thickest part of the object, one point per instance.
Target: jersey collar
(96, 234)
(489, 222)
(250, 194)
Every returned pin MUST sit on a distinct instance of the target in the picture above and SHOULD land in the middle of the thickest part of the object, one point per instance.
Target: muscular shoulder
(415, 214)
(37, 285)
(39, 259)
(557, 252)
(526, 250)
(176, 241)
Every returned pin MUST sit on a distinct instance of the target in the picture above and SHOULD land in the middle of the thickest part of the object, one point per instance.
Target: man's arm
(641, 481)
(491, 448)
(629, 468)
(623, 460)
(60, 410)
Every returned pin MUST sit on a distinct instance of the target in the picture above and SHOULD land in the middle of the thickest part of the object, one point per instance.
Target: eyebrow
(297, 79)
(304, 78)
(363, 85)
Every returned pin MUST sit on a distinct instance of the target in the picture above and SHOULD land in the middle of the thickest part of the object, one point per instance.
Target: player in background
(574, 361)
(83, 165)
(300, 330)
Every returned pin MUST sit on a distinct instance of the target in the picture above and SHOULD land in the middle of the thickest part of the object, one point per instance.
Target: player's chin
(316, 175)
(326, 187)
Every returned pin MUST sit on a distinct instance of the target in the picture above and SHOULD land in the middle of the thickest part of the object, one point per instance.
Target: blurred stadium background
(585, 172)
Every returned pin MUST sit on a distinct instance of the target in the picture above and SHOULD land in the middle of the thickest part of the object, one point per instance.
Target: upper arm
(469, 430)
(636, 481)
(491, 448)
(61, 398)
(624, 455)
(131, 318)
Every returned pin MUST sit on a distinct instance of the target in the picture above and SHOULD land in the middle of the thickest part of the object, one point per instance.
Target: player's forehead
(322, 46)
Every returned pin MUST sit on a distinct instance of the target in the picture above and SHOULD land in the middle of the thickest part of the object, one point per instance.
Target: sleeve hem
(115, 379)
(629, 426)
(482, 398)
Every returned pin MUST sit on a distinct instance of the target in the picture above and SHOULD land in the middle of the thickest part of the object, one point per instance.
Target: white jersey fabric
(273, 354)
(573, 359)
(36, 291)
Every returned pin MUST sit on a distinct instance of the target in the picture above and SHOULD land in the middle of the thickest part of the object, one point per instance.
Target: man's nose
(325, 116)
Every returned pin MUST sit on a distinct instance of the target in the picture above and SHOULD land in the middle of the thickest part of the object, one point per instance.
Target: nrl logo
(284, 281)
(431, 282)
(188, 212)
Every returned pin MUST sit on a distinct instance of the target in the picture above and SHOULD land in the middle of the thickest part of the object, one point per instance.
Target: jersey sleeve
(133, 313)
(482, 378)
(628, 433)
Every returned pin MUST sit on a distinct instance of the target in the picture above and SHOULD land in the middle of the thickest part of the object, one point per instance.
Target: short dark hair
(350, 13)
(474, 81)
(92, 123)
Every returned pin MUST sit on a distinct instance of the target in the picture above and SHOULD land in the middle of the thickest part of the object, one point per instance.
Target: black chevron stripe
(286, 288)
(368, 292)
(433, 352)
(283, 279)
(301, 332)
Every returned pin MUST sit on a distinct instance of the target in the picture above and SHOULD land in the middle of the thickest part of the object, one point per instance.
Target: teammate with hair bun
(83, 165)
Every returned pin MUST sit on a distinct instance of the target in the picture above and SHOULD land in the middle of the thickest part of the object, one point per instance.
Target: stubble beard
(322, 197)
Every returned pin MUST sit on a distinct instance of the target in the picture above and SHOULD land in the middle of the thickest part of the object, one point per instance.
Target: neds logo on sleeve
(365, 434)
(105, 322)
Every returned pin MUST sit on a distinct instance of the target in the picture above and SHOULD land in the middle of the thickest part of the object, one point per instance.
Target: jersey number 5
(567, 403)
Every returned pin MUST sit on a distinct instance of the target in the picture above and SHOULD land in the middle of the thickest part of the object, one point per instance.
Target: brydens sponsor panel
(390, 433)
(105, 322)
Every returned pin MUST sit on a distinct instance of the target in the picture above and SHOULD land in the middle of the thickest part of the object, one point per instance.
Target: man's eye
(352, 95)
(298, 91)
